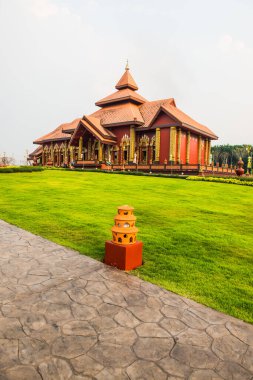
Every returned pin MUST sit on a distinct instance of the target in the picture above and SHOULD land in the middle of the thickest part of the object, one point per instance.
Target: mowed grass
(198, 236)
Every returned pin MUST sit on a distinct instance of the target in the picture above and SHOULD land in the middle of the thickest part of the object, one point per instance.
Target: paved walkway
(64, 316)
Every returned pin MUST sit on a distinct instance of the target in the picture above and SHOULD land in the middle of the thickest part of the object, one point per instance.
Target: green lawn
(198, 236)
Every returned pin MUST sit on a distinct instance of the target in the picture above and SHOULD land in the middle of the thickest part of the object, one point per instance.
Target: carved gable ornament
(144, 141)
(125, 140)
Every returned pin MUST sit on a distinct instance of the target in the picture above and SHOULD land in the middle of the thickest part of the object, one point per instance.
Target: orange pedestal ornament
(124, 252)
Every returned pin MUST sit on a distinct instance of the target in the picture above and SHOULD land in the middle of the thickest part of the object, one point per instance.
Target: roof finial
(127, 66)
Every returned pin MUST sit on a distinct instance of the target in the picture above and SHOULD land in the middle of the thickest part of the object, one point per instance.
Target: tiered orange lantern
(124, 230)
(124, 252)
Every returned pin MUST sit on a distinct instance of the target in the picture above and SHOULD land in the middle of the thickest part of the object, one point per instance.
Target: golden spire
(127, 66)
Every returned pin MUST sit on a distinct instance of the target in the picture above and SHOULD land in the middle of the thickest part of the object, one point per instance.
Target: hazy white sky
(57, 57)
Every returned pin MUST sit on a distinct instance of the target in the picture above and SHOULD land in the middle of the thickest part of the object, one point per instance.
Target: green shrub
(247, 179)
(6, 170)
(244, 178)
(21, 169)
(234, 181)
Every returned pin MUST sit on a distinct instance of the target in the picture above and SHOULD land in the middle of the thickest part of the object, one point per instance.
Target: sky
(58, 57)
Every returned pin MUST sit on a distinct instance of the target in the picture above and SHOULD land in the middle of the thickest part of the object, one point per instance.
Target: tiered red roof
(125, 107)
(122, 95)
(119, 114)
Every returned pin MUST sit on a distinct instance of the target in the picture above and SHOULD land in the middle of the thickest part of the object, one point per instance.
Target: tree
(6, 161)
(230, 154)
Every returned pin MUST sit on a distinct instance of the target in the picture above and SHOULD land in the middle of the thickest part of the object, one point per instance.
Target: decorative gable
(163, 119)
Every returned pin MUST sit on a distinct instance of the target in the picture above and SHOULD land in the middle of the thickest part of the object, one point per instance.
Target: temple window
(144, 155)
(96, 150)
(125, 156)
(115, 157)
(85, 154)
(125, 146)
(143, 149)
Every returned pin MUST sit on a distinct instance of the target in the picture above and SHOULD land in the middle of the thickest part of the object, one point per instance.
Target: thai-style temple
(126, 131)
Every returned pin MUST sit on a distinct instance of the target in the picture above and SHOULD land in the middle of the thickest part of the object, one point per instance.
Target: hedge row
(233, 181)
(130, 173)
(242, 178)
(21, 169)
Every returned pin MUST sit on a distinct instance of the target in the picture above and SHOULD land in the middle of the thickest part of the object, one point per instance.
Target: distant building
(127, 130)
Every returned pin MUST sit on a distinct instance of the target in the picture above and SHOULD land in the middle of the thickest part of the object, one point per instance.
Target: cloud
(45, 9)
(228, 44)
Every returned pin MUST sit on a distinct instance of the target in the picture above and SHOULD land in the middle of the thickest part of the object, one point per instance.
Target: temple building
(128, 130)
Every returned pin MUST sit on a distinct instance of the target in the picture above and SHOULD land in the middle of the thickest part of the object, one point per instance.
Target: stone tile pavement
(64, 316)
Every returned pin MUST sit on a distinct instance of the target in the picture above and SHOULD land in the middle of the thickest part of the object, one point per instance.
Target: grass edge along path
(197, 236)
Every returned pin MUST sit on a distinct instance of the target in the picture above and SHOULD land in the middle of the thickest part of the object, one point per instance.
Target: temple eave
(200, 131)
(69, 131)
(120, 100)
(123, 123)
(40, 142)
(132, 87)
